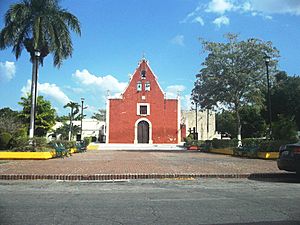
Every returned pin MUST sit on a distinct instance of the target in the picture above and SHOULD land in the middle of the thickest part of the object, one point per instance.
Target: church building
(143, 114)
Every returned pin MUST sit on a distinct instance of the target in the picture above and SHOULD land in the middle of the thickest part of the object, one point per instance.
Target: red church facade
(143, 114)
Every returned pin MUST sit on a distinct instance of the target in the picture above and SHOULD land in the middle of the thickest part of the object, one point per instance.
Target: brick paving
(138, 162)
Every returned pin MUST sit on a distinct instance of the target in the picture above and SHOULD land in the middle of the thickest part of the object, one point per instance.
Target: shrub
(221, 143)
(39, 141)
(4, 140)
(272, 145)
(19, 143)
(252, 142)
(87, 140)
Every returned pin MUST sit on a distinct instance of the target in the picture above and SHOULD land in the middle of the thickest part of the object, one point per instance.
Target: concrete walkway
(99, 164)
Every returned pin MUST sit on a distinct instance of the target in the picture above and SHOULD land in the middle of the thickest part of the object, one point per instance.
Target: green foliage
(87, 140)
(20, 143)
(39, 142)
(233, 74)
(253, 124)
(74, 110)
(100, 115)
(272, 145)
(62, 118)
(189, 141)
(224, 143)
(4, 140)
(226, 123)
(45, 115)
(39, 25)
(10, 122)
(63, 131)
(285, 129)
(285, 98)
(67, 144)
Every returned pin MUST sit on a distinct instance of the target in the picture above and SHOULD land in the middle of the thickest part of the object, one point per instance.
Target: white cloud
(190, 17)
(178, 40)
(198, 19)
(276, 6)
(219, 6)
(7, 71)
(222, 20)
(172, 91)
(98, 83)
(48, 90)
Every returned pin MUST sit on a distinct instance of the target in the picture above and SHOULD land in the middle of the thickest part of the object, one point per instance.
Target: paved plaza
(145, 162)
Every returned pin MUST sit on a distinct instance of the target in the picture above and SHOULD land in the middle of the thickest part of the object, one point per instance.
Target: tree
(285, 97)
(253, 124)
(74, 110)
(225, 123)
(10, 122)
(233, 75)
(45, 114)
(42, 27)
(285, 128)
(100, 115)
(64, 130)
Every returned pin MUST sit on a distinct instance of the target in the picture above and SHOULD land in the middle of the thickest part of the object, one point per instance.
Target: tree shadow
(276, 177)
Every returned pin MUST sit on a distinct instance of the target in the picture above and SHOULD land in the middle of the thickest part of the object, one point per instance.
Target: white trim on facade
(138, 109)
(136, 130)
(107, 121)
(178, 120)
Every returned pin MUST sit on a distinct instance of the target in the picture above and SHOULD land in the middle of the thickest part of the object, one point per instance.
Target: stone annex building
(143, 114)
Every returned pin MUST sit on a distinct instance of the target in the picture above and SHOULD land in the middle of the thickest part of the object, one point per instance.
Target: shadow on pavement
(277, 177)
(266, 223)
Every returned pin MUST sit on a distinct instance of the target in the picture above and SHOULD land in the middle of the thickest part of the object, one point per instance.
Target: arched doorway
(143, 132)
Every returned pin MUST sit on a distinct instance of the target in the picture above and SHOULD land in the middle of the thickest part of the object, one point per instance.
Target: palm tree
(42, 27)
(74, 109)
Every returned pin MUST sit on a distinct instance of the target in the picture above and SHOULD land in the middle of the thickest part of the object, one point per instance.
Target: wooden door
(143, 132)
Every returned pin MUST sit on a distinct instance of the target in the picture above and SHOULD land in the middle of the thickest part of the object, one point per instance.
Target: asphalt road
(201, 201)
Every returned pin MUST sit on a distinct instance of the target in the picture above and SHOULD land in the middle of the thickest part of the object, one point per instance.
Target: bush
(221, 143)
(272, 145)
(39, 142)
(20, 143)
(4, 140)
(252, 142)
(87, 140)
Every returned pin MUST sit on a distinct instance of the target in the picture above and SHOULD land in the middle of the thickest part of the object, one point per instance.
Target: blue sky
(116, 34)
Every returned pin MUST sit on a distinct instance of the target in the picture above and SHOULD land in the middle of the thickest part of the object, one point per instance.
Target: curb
(74, 177)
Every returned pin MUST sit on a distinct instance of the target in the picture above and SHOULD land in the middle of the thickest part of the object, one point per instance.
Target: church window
(143, 74)
(147, 86)
(139, 86)
(143, 109)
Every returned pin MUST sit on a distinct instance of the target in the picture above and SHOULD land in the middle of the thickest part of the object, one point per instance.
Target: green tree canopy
(10, 122)
(39, 25)
(285, 97)
(233, 75)
(45, 114)
(100, 115)
(74, 110)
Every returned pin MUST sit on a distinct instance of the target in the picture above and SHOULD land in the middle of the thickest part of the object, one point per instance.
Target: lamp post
(35, 66)
(82, 101)
(267, 61)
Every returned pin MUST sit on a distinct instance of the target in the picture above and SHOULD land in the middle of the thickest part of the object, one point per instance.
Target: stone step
(137, 147)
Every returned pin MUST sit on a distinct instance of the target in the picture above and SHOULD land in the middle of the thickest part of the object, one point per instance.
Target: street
(169, 201)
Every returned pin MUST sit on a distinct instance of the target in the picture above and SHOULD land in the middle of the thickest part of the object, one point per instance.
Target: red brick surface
(139, 162)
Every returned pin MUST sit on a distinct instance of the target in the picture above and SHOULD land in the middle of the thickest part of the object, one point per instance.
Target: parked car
(289, 158)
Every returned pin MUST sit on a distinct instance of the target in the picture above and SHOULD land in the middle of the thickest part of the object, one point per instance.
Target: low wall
(27, 155)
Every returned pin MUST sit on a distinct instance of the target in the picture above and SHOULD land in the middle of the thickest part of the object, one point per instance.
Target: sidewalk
(99, 164)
